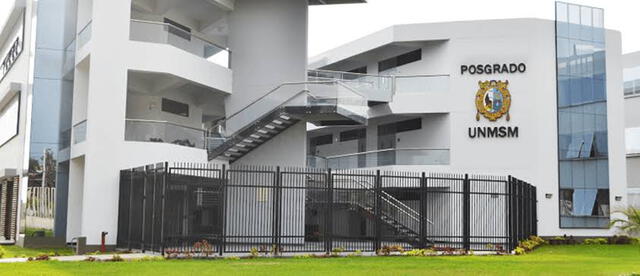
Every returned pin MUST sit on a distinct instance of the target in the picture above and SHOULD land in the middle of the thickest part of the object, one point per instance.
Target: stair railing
(220, 131)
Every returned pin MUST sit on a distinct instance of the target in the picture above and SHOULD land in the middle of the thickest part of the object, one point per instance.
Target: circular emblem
(493, 100)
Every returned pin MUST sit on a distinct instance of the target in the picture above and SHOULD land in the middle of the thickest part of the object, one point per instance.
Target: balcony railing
(385, 157)
(421, 84)
(375, 87)
(158, 32)
(80, 132)
(84, 35)
(164, 132)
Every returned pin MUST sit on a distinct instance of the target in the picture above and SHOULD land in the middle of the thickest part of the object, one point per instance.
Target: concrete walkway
(77, 258)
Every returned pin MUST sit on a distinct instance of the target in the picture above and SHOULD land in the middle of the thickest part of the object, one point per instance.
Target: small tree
(631, 222)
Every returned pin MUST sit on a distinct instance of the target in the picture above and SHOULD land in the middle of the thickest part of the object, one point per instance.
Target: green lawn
(547, 260)
(16, 251)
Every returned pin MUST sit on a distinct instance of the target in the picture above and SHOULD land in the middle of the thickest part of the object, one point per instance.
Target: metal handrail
(85, 26)
(185, 32)
(389, 197)
(378, 151)
(164, 122)
(225, 119)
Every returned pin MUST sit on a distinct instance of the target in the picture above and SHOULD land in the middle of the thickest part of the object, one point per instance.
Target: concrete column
(268, 40)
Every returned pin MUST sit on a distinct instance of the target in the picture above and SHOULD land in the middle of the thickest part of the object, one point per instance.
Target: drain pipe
(103, 247)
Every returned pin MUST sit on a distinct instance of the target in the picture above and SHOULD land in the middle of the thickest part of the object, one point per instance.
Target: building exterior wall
(533, 154)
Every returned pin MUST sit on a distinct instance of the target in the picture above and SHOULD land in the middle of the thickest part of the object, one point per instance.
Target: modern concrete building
(631, 63)
(95, 87)
(527, 97)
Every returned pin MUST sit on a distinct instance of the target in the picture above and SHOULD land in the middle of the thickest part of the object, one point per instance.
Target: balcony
(376, 88)
(164, 132)
(164, 33)
(379, 158)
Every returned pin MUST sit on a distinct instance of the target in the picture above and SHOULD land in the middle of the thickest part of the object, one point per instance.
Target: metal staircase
(399, 217)
(322, 103)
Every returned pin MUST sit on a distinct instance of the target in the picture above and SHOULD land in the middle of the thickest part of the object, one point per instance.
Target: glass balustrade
(163, 33)
(80, 132)
(164, 132)
(387, 157)
(84, 35)
(374, 87)
(310, 94)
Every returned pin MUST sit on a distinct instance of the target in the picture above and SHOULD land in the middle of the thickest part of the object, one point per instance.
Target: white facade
(147, 79)
(449, 111)
(140, 82)
(631, 72)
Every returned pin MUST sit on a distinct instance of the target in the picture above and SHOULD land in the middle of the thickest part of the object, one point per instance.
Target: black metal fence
(189, 207)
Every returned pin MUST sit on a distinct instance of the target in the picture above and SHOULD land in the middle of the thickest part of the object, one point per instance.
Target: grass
(547, 260)
(16, 251)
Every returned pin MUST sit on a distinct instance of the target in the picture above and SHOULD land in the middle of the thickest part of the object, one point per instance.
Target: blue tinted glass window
(582, 117)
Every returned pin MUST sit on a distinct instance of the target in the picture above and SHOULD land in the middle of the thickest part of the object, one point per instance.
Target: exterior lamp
(548, 196)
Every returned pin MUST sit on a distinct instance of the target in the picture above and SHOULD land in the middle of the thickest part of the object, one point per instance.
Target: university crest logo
(493, 100)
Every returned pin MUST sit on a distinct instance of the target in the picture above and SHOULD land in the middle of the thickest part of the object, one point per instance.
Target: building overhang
(16, 11)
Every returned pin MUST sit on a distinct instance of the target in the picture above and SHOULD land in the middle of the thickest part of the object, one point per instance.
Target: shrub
(357, 253)
(620, 240)
(232, 258)
(529, 245)
(304, 256)
(387, 250)
(596, 241)
(336, 251)
(254, 252)
(116, 258)
(520, 251)
(2, 252)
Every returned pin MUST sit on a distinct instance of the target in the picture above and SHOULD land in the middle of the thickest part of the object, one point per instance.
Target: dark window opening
(178, 29)
(408, 125)
(400, 60)
(322, 140)
(359, 70)
(174, 107)
(353, 135)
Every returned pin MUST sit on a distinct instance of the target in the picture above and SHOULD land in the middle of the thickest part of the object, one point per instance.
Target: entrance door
(386, 140)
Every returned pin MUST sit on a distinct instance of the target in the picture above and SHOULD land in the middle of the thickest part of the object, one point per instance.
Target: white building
(566, 136)
(100, 86)
(631, 72)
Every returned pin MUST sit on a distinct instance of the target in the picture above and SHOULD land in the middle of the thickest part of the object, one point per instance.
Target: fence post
(276, 210)
(225, 182)
(377, 212)
(329, 217)
(131, 176)
(508, 233)
(534, 207)
(143, 236)
(423, 210)
(165, 177)
(466, 213)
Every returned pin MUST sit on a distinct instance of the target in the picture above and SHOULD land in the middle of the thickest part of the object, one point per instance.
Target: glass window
(174, 107)
(321, 140)
(353, 135)
(582, 117)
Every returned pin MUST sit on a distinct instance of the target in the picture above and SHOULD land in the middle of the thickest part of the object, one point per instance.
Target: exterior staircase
(323, 103)
(403, 220)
